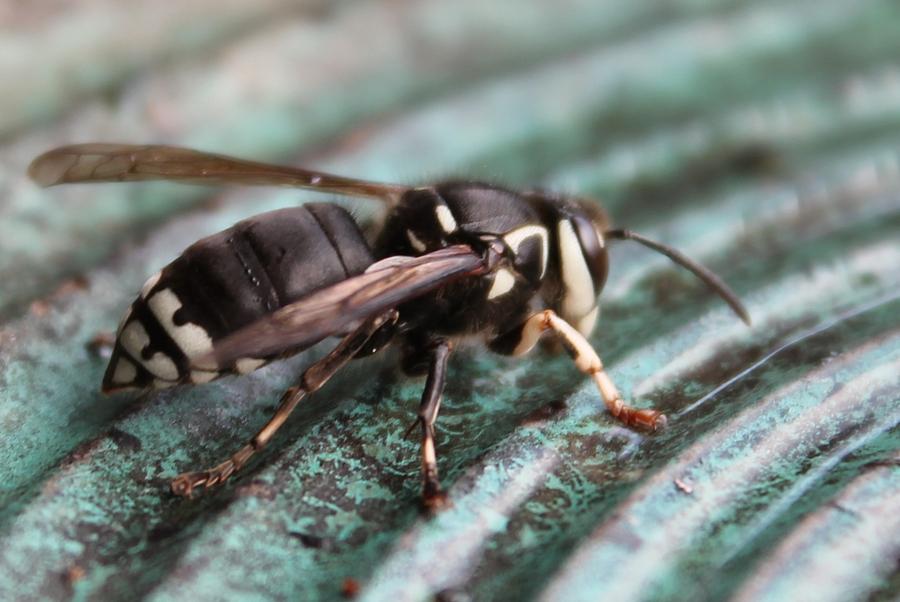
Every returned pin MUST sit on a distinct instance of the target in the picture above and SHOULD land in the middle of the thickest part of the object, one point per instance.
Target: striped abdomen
(227, 281)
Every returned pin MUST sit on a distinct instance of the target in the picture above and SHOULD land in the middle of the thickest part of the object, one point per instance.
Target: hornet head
(579, 261)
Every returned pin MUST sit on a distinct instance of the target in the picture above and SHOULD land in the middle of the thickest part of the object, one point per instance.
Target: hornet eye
(593, 247)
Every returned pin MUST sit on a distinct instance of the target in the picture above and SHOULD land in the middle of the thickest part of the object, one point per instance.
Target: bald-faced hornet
(451, 260)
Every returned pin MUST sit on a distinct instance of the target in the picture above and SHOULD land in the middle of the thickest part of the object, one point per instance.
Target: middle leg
(433, 498)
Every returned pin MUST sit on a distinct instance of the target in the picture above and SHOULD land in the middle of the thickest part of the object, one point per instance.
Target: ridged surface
(760, 138)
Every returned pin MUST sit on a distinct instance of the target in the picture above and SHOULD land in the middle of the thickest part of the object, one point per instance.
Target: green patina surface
(761, 138)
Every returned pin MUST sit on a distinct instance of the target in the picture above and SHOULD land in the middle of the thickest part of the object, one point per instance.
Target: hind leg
(433, 498)
(312, 379)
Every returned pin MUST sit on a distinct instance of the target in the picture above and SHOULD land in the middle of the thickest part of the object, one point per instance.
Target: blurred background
(758, 137)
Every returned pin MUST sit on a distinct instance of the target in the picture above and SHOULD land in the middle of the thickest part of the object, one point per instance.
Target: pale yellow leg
(587, 360)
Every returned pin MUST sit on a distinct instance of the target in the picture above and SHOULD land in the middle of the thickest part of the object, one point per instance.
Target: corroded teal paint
(714, 128)
(280, 111)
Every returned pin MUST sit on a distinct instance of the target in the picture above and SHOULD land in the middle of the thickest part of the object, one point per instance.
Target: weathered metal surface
(269, 94)
(759, 138)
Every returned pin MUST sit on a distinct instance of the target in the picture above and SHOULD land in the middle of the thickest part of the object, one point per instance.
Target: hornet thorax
(554, 255)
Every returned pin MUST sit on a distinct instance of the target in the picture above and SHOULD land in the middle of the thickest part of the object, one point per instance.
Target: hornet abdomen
(227, 281)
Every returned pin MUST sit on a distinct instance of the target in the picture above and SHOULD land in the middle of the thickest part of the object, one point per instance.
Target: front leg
(520, 340)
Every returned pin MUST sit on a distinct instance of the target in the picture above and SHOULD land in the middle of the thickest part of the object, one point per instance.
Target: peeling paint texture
(761, 138)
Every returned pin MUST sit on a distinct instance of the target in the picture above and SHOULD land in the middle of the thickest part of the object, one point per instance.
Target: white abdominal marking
(246, 365)
(445, 218)
(503, 283)
(134, 339)
(515, 239)
(162, 366)
(190, 338)
(125, 372)
(198, 377)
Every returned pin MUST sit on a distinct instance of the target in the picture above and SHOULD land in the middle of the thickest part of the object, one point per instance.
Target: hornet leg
(433, 497)
(312, 379)
(521, 340)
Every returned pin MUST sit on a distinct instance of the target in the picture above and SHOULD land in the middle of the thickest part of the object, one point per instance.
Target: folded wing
(340, 307)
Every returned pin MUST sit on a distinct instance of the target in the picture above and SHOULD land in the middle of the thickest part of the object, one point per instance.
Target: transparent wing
(342, 306)
(99, 162)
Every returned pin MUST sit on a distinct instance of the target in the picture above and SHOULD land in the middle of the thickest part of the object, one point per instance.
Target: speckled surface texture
(760, 138)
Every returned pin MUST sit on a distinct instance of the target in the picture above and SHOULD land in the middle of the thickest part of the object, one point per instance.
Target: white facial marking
(159, 383)
(134, 338)
(148, 286)
(417, 244)
(578, 299)
(515, 239)
(161, 365)
(246, 365)
(124, 373)
(202, 376)
(504, 281)
(445, 217)
(586, 324)
(190, 338)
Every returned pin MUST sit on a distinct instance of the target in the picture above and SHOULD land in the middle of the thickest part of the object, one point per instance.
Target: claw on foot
(434, 501)
(184, 484)
(649, 420)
